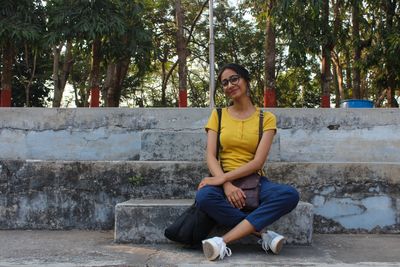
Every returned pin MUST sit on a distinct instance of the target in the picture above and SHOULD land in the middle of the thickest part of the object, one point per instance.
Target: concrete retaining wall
(306, 135)
(67, 168)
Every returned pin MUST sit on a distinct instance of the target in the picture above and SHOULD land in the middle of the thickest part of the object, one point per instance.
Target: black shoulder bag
(193, 225)
(250, 183)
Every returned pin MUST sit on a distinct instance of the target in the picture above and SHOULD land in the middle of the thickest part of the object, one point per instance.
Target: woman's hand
(235, 195)
(217, 180)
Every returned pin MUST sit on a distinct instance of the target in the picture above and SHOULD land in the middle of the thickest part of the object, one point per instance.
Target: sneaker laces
(224, 251)
(264, 244)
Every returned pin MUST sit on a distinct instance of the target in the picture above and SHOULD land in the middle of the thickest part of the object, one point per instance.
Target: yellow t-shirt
(239, 138)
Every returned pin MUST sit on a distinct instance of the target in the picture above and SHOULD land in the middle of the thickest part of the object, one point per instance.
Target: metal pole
(211, 53)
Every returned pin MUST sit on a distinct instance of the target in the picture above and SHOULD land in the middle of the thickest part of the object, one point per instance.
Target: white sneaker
(214, 247)
(272, 241)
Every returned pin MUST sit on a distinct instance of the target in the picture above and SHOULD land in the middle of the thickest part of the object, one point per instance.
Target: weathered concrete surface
(40, 119)
(307, 135)
(89, 248)
(144, 221)
(348, 197)
(343, 161)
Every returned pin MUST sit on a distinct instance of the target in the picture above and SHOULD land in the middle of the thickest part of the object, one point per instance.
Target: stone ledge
(38, 194)
(144, 221)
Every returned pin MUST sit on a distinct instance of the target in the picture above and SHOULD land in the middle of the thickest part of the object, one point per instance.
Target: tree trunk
(270, 57)
(56, 81)
(164, 79)
(326, 56)
(363, 87)
(31, 73)
(109, 84)
(329, 36)
(94, 82)
(122, 70)
(339, 79)
(60, 80)
(357, 50)
(349, 79)
(336, 85)
(116, 73)
(182, 55)
(164, 58)
(390, 11)
(6, 77)
(67, 67)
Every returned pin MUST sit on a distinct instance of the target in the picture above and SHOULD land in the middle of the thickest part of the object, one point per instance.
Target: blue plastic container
(357, 103)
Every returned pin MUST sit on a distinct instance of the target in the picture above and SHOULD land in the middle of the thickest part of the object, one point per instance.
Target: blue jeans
(276, 200)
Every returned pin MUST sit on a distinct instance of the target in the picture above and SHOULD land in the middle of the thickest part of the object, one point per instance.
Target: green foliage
(144, 32)
(83, 19)
(295, 88)
(135, 180)
(241, 41)
(22, 23)
(21, 20)
(80, 73)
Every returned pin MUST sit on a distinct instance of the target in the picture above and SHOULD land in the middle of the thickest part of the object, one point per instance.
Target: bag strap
(219, 112)
(260, 130)
(260, 127)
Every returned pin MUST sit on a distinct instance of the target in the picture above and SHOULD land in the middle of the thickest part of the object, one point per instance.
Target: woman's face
(234, 86)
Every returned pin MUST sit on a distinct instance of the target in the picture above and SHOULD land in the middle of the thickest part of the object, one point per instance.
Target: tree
(128, 54)
(327, 47)
(269, 66)
(19, 23)
(242, 41)
(392, 44)
(164, 20)
(182, 54)
(95, 21)
(31, 71)
(62, 33)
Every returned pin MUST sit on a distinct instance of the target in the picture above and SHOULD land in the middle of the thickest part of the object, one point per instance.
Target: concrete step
(349, 197)
(144, 221)
(164, 145)
(367, 135)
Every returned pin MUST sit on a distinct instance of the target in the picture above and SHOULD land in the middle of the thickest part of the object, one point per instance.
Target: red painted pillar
(182, 98)
(5, 99)
(94, 97)
(325, 101)
(269, 98)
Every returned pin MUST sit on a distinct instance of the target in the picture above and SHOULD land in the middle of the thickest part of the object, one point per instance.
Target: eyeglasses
(234, 79)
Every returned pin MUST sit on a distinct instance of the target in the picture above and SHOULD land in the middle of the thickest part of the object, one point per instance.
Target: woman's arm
(211, 154)
(234, 194)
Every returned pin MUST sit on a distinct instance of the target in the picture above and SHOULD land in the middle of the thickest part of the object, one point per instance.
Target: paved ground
(91, 248)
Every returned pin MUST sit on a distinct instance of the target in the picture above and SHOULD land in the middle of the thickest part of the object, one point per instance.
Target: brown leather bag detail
(249, 185)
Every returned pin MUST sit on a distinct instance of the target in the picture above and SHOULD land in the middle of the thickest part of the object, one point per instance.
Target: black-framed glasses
(234, 79)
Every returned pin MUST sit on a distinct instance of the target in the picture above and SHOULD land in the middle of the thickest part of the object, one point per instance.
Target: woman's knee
(293, 196)
(204, 195)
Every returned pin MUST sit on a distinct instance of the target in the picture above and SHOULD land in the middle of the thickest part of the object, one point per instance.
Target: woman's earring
(248, 91)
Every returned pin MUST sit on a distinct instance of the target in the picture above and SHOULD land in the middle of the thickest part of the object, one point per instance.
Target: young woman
(240, 156)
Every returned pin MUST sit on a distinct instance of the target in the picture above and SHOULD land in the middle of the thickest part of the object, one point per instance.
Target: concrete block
(306, 135)
(341, 144)
(178, 145)
(184, 146)
(83, 194)
(144, 221)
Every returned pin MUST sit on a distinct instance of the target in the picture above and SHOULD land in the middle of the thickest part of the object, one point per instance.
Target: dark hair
(239, 69)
